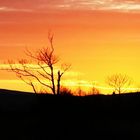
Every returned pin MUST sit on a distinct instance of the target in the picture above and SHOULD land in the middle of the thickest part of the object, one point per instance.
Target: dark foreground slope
(29, 116)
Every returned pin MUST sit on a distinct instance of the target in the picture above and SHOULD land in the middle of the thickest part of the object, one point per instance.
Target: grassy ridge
(115, 105)
(63, 117)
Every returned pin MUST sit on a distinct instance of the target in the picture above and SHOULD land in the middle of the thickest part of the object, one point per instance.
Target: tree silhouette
(41, 68)
(95, 91)
(66, 91)
(118, 82)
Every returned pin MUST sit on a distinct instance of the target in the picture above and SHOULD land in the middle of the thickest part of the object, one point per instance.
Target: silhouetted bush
(65, 91)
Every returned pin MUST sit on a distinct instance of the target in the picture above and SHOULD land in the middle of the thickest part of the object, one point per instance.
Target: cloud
(46, 5)
(7, 9)
(116, 5)
(122, 5)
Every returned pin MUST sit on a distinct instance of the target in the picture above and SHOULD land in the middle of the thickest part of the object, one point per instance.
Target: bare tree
(41, 68)
(119, 82)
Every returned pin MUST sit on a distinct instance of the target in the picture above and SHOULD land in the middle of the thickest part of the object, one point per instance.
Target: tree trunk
(119, 90)
(52, 80)
(33, 88)
(58, 83)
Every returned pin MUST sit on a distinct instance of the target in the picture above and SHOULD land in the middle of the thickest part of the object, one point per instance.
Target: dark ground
(26, 116)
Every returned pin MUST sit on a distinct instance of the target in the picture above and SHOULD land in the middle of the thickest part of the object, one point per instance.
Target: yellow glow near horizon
(15, 85)
(85, 86)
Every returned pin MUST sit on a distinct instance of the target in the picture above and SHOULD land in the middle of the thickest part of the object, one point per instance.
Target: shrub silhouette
(65, 91)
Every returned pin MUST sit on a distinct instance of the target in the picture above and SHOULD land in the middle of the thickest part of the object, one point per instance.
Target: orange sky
(98, 37)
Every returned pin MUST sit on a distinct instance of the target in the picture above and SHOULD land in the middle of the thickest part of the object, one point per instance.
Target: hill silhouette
(38, 116)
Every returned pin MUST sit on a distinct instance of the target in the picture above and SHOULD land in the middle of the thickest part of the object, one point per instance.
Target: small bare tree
(119, 82)
(40, 69)
(95, 91)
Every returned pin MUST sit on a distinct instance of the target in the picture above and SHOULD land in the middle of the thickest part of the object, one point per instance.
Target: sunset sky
(98, 37)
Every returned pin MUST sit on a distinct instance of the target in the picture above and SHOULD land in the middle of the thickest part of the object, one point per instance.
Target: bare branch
(27, 73)
(43, 68)
(43, 75)
(65, 67)
(28, 83)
